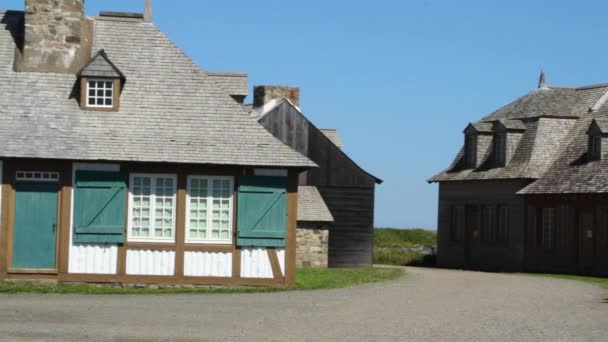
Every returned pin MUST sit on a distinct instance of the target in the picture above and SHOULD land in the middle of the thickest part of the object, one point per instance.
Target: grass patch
(404, 246)
(406, 238)
(307, 279)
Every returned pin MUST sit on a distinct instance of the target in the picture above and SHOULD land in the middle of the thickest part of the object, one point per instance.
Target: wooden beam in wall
(292, 214)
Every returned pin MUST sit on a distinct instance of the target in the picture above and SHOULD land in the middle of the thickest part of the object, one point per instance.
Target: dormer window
(470, 147)
(101, 83)
(476, 142)
(598, 131)
(500, 148)
(595, 147)
(100, 93)
(506, 137)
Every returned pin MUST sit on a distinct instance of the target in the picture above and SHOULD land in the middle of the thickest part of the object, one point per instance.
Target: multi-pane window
(457, 223)
(503, 224)
(548, 228)
(100, 93)
(152, 207)
(500, 148)
(470, 150)
(488, 224)
(595, 146)
(209, 209)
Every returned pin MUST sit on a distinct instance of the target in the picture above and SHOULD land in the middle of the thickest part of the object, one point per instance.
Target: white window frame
(104, 97)
(37, 176)
(151, 239)
(209, 240)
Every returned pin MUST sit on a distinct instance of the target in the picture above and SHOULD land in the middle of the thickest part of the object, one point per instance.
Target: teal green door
(34, 237)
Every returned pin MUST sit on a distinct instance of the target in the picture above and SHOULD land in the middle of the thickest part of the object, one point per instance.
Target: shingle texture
(233, 82)
(311, 207)
(101, 66)
(332, 135)
(171, 111)
(544, 124)
(573, 171)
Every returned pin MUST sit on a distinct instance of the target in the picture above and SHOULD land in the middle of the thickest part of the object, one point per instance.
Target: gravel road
(427, 305)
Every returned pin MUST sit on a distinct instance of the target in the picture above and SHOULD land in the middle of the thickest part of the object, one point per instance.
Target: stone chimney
(264, 94)
(57, 37)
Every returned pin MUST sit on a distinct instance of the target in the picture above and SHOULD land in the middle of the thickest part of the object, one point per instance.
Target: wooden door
(587, 235)
(34, 237)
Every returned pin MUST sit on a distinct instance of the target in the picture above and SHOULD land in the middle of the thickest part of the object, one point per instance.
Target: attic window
(470, 147)
(595, 147)
(500, 148)
(100, 93)
(101, 83)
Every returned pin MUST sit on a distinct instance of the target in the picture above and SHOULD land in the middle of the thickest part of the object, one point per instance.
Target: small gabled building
(527, 190)
(124, 162)
(346, 189)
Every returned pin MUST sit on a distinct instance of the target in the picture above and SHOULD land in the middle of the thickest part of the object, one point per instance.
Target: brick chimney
(57, 37)
(264, 94)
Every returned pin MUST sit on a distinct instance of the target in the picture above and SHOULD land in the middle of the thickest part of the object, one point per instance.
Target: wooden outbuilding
(346, 188)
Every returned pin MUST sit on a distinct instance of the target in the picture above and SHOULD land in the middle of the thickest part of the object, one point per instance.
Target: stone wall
(57, 37)
(264, 94)
(312, 244)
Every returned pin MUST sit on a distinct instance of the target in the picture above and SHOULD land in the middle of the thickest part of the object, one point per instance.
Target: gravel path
(427, 305)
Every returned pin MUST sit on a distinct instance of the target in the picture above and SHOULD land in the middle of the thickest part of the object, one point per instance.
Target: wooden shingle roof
(171, 110)
(311, 207)
(546, 117)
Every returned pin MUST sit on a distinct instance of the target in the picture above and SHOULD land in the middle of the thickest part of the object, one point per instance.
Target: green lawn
(394, 246)
(307, 279)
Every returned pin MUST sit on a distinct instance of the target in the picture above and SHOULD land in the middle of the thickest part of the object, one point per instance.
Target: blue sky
(399, 79)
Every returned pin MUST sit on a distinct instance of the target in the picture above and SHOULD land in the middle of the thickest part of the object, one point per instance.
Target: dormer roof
(510, 126)
(598, 126)
(478, 127)
(101, 66)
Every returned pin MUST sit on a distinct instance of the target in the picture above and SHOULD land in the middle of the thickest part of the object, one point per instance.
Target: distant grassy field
(404, 246)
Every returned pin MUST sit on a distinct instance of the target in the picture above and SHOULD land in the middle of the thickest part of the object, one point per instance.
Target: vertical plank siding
(163, 263)
(351, 237)
(471, 252)
(150, 262)
(207, 264)
(93, 259)
(255, 263)
(346, 188)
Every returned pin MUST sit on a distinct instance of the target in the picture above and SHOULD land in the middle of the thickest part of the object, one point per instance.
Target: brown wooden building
(346, 188)
(528, 189)
(123, 161)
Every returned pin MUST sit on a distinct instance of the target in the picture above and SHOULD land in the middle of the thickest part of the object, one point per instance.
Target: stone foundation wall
(312, 244)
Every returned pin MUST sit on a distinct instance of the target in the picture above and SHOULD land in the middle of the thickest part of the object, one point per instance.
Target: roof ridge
(593, 86)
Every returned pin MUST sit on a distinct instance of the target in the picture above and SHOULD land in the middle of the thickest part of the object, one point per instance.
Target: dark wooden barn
(346, 188)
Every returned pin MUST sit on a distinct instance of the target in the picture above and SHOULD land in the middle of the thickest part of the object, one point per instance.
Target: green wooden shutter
(262, 211)
(100, 207)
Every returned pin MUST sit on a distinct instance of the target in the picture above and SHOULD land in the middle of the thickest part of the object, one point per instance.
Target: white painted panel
(148, 262)
(93, 259)
(255, 263)
(205, 264)
(281, 256)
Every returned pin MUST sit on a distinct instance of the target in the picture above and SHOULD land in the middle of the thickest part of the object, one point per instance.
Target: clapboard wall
(345, 187)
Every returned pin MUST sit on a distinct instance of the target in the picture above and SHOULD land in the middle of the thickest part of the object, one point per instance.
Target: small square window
(100, 94)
